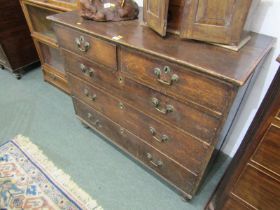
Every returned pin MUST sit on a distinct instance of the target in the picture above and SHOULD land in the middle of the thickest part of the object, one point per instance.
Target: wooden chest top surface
(234, 67)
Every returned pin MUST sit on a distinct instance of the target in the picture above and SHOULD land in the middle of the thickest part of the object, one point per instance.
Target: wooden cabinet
(17, 50)
(45, 39)
(253, 178)
(168, 103)
(206, 20)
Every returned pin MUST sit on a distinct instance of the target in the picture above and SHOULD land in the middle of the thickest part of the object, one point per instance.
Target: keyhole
(166, 69)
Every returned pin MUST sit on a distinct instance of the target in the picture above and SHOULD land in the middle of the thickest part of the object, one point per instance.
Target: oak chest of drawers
(166, 102)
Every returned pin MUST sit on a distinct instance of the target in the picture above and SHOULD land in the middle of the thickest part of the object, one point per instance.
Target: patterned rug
(28, 180)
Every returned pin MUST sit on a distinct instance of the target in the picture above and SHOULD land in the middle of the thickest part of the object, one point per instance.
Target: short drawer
(182, 115)
(90, 71)
(267, 153)
(175, 80)
(258, 189)
(158, 162)
(55, 78)
(100, 51)
(183, 148)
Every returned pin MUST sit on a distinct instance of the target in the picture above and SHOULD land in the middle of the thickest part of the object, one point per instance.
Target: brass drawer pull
(166, 70)
(156, 103)
(164, 138)
(157, 163)
(91, 97)
(86, 70)
(82, 45)
(96, 123)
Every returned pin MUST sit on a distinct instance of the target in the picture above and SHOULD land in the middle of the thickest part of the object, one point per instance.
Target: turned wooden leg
(18, 75)
(85, 125)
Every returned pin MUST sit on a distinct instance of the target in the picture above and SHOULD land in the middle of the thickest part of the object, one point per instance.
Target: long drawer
(189, 118)
(185, 149)
(173, 79)
(158, 162)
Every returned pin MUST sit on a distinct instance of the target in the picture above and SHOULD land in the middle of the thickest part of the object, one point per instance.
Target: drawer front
(231, 204)
(178, 81)
(184, 116)
(91, 72)
(100, 51)
(55, 78)
(183, 148)
(267, 153)
(258, 189)
(137, 148)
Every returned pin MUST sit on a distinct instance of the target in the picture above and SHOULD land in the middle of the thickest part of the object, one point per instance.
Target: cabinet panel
(52, 57)
(265, 189)
(39, 22)
(155, 14)
(267, 153)
(214, 12)
(215, 20)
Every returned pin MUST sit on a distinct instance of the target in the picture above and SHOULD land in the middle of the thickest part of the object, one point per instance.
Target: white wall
(264, 17)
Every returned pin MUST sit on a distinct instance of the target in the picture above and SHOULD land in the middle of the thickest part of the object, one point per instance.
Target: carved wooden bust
(109, 10)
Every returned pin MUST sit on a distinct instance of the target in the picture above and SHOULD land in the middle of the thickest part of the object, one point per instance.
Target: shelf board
(48, 40)
(63, 7)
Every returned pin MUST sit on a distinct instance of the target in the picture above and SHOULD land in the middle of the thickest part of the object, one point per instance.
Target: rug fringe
(60, 176)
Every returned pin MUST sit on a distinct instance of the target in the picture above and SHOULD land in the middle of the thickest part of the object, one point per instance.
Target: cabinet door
(155, 15)
(214, 20)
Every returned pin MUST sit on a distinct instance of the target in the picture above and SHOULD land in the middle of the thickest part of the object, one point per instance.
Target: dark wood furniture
(166, 102)
(17, 50)
(253, 178)
(35, 12)
(206, 20)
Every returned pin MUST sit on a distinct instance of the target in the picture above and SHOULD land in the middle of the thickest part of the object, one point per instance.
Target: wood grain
(234, 67)
(169, 170)
(17, 48)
